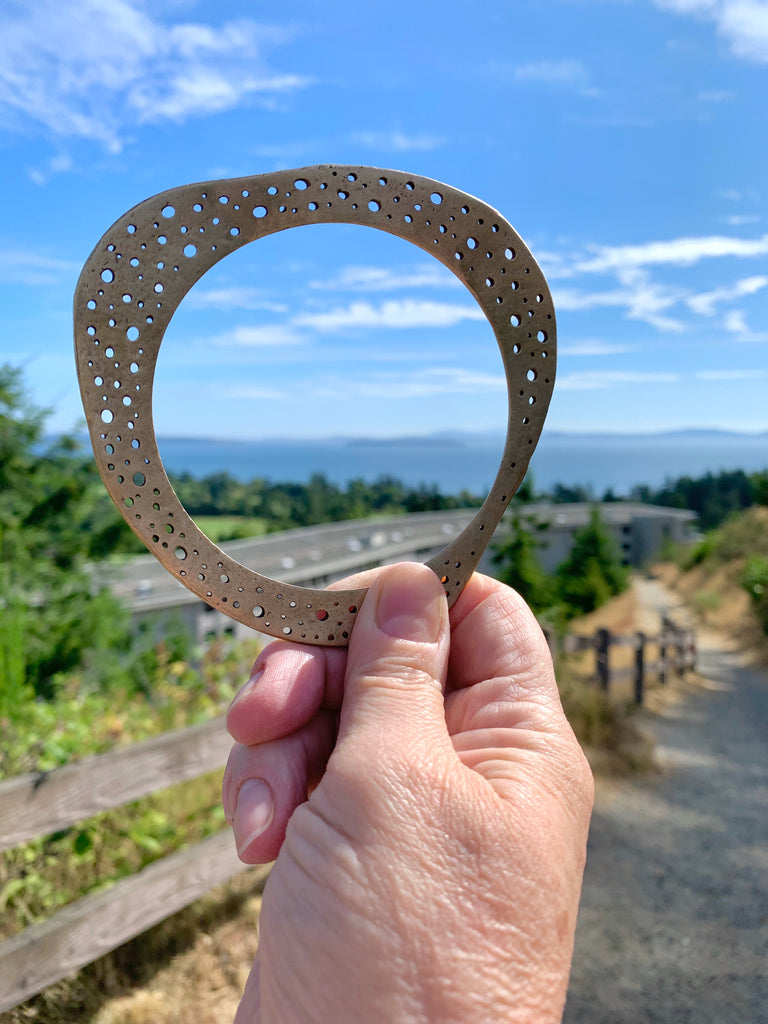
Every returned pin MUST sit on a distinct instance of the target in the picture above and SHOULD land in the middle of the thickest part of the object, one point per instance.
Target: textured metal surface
(146, 263)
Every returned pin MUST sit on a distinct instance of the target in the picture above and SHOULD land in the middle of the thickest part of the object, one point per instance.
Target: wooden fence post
(602, 644)
(639, 666)
(681, 658)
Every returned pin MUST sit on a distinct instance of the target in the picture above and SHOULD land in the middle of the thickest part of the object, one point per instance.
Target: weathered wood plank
(573, 642)
(38, 804)
(95, 925)
(620, 675)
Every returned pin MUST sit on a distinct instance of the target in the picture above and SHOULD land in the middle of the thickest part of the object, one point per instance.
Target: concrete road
(674, 919)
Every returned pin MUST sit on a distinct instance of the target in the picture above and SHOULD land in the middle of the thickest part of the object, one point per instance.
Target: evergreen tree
(53, 510)
(592, 572)
(515, 554)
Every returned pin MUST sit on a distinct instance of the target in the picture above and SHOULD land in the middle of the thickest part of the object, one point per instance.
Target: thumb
(397, 660)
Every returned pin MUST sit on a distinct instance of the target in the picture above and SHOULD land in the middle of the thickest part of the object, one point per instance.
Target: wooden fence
(674, 649)
(39, 804)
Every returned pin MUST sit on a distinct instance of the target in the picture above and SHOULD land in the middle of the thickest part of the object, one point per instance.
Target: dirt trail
(674, 919)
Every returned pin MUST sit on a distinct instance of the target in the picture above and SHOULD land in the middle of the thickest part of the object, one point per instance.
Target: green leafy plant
(754, 579)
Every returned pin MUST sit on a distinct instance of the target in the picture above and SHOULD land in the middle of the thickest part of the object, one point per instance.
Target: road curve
(674, 918)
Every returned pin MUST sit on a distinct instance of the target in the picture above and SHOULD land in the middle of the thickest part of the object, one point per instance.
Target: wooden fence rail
(675, 650)
(39, 804)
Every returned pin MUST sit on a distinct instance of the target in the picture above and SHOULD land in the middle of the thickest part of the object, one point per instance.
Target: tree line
(285, 506)
(713, 497)
(56, 519)
(591, 574)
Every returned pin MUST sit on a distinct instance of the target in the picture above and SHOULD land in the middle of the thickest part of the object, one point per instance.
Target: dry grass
(621, 616)
(605, 724)
(713, 592)
(192, 967)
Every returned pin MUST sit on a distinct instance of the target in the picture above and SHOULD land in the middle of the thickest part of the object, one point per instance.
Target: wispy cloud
(55, 165)
(232, 298)
(262, 335)
(93, 68)
(612, 120)
(598, 380)
(631, 286)
(593, 348)
(385, 279)
(743, 24)
(18, 266)
(677, 251)
(737, 220)
(420, 384)
(729, 374)
(250, 393)
(641, 298)
(566, 72)
(405, 313)
(735, 322)
(706, 303)
(397, 141)
(716, 96)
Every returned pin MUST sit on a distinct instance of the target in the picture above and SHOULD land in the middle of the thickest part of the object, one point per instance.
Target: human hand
(434, 872)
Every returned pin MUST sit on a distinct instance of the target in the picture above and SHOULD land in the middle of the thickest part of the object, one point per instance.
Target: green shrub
(754, 579)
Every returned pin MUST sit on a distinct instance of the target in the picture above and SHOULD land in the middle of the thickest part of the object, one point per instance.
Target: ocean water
(471, 464)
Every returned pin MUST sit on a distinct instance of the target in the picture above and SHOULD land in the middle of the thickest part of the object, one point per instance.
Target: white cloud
(421, 384)
(250, 392)
(231, 298)
(641, 299)
(716, 96)
(730, 374)
(592, 348)
(743, 24)
(735, 322)
(678, 251)
(266, 334)
(92, 68)
(384, 279)
(595, 380)
(566, 72)
(738, 220)
(395, 315)
(612, 120)
(33, 269)
(705, 303)
(56, 165)
(398, 142)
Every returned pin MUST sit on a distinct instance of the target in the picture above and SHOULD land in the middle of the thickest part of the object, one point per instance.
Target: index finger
(494, 635)
(290, 683)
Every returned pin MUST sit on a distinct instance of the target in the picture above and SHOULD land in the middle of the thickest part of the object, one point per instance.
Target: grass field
(220, 528)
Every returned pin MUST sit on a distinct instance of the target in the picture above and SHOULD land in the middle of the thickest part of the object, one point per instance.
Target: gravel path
(674, 918)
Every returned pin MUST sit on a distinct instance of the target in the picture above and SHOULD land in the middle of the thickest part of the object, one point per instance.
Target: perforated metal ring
(142, 268)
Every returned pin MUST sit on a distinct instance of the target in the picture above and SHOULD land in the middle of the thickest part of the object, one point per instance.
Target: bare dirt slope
(674, 920)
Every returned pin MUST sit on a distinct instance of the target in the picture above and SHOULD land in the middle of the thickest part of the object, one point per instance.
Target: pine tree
(519, 567)
(592, 572)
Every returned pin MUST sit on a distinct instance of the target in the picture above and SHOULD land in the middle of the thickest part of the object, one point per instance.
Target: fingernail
(254, 812)
(410, 604)
(245, 690)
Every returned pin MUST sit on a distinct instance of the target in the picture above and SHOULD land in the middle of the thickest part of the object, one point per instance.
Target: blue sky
(624, 139)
